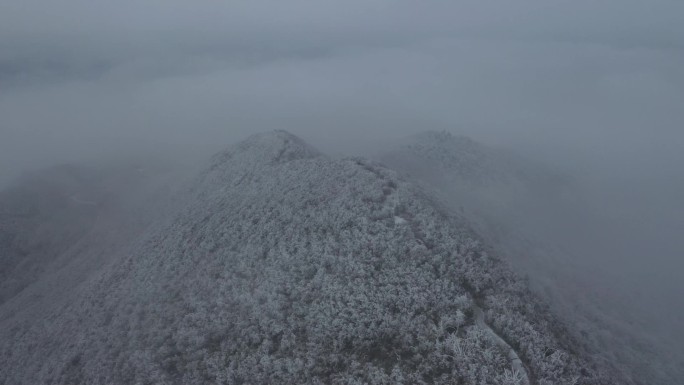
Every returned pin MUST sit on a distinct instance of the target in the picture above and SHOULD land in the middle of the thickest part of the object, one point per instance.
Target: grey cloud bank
(571, 74)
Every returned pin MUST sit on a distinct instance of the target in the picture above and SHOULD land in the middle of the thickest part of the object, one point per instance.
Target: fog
(593, 88)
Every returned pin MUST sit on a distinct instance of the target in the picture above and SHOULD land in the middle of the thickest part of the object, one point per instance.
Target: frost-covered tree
(280, 265)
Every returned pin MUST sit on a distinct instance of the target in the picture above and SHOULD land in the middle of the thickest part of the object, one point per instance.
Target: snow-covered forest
(280, 265)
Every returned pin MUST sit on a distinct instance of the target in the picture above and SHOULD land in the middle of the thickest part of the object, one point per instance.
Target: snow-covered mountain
(513, 202)
(279, 265)
(493, 185)
(469, 161)
(533, 216)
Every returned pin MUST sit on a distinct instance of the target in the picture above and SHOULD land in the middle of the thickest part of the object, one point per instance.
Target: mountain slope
(535, 217)
(280, 265)
(50, 217)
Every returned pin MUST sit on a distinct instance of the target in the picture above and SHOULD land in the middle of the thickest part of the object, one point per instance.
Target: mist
(592, 88)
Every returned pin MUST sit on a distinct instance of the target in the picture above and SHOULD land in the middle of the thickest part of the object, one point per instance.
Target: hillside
(536, 217)
(277, 264)
(51, 218)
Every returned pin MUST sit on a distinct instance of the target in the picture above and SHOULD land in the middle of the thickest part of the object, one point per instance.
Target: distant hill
(535, 217)
(51, 216)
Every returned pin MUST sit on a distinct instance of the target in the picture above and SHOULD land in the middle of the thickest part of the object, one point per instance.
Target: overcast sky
(587, 78)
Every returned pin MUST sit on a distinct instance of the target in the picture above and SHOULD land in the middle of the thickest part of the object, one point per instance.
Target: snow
(278, 264)
(518, 371)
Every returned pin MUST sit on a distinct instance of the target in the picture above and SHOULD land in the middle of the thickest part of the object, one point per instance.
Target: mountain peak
(434, 153)
(444, 139)
(278, 146)
(434, 135)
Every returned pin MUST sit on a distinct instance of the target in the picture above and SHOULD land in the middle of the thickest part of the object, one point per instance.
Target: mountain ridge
(281, 265)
